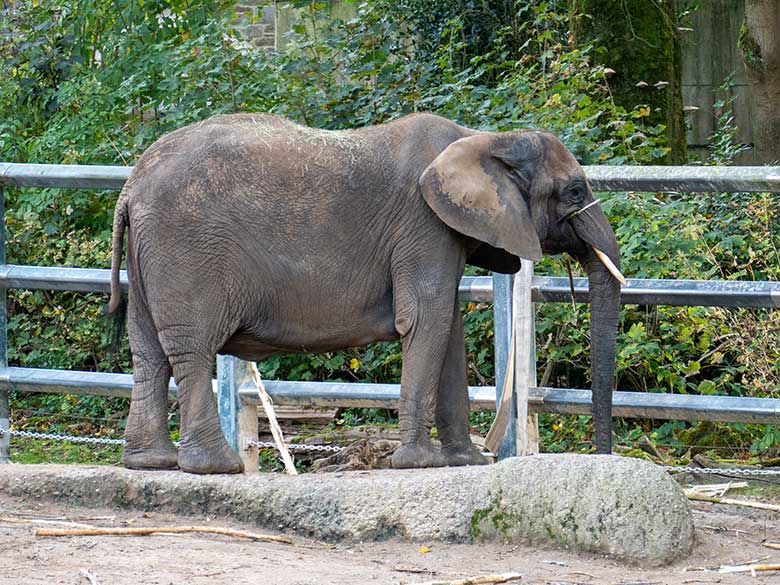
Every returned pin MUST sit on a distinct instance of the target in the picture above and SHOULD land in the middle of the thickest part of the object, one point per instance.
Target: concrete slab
(626, 508)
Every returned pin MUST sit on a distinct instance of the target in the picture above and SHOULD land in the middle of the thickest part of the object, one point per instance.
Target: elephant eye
(573, 193)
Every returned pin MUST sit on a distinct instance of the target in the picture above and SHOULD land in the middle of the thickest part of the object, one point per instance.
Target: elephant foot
(464, 455)
(159, 458)
(417, 455)
(196, 458)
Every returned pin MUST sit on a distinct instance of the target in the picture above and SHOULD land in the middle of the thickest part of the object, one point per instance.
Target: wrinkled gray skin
(250, 235)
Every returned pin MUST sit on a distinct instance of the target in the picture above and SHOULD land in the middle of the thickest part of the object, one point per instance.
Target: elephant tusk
(610, 266)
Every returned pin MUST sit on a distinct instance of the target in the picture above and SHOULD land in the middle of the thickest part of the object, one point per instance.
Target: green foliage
(85, 82)
(33, 451)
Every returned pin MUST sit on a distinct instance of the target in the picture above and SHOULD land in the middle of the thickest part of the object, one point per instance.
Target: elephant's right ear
(470, 189)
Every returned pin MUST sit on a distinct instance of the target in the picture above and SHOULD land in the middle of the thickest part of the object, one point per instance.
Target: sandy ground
(725, 535)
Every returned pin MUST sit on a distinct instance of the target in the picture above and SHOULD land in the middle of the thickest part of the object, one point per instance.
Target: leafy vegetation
(86, 82)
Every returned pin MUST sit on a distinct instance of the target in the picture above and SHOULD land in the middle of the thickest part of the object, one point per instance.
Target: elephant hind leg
(203, 446)
(190, 337)
(147, 442)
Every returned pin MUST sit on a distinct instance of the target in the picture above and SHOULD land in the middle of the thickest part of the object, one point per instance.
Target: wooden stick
(716, 487)
(276, 430)
(694, 495)
(771, 545)
(495, 435)
(748, 568)
(506, 577)
(40, 521)
(158, 529)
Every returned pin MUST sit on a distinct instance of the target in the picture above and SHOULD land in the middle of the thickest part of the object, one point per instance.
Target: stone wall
(265, 25)
(257, 22)
(710, 56)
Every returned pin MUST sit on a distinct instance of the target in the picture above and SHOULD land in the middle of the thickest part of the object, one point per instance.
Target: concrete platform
(626, 508)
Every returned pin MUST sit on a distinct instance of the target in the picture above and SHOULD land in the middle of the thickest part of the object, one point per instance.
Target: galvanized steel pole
(5, 423)
(502, 328)
(238, 419)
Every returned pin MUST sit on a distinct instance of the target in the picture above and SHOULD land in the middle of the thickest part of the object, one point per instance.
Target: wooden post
(239, 420)
(527, 439)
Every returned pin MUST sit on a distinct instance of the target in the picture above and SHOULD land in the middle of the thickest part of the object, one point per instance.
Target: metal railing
(237, 398)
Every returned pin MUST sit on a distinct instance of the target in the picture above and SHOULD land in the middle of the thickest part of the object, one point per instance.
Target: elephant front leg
(452, 402)
(425, 330)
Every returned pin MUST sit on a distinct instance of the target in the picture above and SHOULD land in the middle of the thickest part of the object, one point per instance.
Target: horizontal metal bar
(69, 382)
(352, 394)
(555, 400)
(647, 291)
(602, 177)
(69, 176)
(58, 278)
(690, 407)
(476, 288)
(701, 179)
(472, 288)
(545, 289)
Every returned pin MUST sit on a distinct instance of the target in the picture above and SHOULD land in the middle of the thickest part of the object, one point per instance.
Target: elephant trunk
(604, 309)
(601, 261)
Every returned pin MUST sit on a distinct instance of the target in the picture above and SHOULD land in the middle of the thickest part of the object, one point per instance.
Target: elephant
(250, 235)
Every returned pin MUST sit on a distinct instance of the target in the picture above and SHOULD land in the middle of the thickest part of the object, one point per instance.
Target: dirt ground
(725, 535)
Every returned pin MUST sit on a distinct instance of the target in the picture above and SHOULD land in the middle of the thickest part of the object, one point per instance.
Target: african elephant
(250, 235)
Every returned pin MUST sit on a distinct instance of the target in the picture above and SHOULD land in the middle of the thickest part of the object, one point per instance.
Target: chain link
(296, 447)
(721, 471)
(57, 437)
(102, 441)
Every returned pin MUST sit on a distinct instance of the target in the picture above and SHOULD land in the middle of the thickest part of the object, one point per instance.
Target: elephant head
(521, 194)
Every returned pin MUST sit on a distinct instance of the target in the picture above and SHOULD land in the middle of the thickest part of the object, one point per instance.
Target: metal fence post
(527, 439)
(5, 423)
(239, 420)
(502, 336)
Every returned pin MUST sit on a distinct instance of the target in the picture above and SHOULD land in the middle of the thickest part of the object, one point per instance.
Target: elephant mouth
(591, 225)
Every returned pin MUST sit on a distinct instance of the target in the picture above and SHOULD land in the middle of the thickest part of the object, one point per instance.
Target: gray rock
(627, 508)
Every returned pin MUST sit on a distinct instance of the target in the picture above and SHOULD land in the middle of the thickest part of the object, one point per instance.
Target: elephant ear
(470, 188)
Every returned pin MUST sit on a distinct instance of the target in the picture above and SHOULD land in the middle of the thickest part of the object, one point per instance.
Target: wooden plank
(526, 440)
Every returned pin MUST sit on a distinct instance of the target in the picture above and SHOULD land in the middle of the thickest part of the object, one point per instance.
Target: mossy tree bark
(759, 41)
(641, 43)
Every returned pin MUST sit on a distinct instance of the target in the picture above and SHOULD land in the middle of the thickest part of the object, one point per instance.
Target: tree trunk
(759, 41)
(642, 45)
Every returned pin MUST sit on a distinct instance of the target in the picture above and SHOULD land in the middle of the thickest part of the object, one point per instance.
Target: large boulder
(626, 508)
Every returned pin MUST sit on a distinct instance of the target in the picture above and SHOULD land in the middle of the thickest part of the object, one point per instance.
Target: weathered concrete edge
(540, 500)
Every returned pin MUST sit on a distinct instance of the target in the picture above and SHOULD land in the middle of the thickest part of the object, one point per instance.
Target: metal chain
(721, 471)
(296, 447)
(57, 437)
(102, 441)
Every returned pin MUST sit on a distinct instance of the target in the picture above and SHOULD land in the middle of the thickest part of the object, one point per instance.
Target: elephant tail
(120, 222)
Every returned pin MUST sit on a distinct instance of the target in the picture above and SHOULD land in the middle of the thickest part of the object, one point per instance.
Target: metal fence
(237, 398)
